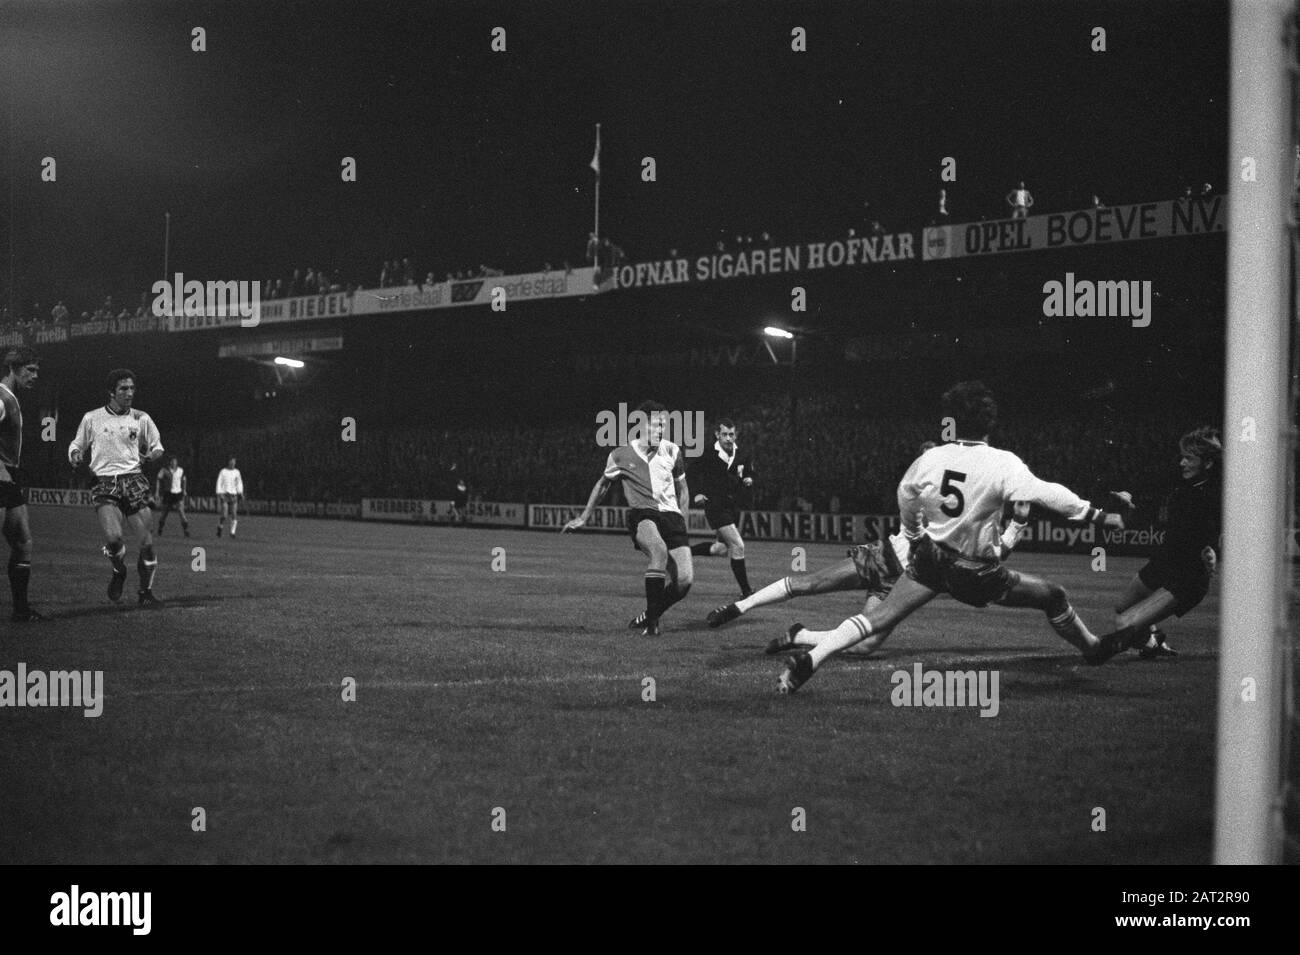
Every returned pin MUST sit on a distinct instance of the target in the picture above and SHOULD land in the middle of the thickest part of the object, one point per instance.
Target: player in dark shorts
(172, 484)
(720, 476)
(1177, 577)
(20, 370)
(653, 475)
(119, 439)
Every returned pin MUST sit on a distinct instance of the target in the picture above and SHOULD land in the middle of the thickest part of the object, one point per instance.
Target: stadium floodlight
(289, 362)
(773, 332)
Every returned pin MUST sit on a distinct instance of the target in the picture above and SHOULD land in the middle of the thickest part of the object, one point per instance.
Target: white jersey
(961, 488)
(177, 481)
(117, 442)
(229, 481)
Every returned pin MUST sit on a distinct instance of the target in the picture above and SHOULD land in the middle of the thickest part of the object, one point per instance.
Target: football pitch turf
(522, 690)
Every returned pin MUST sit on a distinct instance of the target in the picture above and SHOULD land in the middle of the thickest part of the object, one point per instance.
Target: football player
(1177, 577)
(962, 488)
(654, 482)
(230, 488)
(20, 370)
(119, 439)
(873, 567)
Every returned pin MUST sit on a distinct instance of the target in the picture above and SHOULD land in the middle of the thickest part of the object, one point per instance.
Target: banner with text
(852, 251)
(300, 345)
(306, 308)
(1058, 230)
(530, 286)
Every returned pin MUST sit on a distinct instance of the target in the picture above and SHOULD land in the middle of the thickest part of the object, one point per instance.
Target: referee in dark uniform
(720, 476)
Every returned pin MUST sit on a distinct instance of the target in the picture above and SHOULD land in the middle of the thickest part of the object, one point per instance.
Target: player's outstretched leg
(798, 636)
(1129, 611)
(1051, 598)
(907, 596)
(713, 548)
(1143, 615)
(842, 575)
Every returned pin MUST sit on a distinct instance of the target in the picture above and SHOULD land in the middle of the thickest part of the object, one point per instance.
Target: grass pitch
(522, 691)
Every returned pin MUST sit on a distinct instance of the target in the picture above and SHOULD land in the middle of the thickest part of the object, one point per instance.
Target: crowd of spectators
(839, 454)
(39, 317)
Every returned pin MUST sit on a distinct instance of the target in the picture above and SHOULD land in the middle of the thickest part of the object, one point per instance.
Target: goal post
(1257, 435)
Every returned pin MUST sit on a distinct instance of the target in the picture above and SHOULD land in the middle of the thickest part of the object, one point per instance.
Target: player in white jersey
(119, 439)
(873, 567)
(230, 488)
(19, 370)
(653, 476)
(961, 488)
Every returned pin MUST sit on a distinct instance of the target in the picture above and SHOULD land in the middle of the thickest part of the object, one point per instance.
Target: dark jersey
(720, 481)
(1192, 519)
(11, 428)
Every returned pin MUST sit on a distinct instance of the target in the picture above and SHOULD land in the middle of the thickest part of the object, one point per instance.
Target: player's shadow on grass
(113, 610)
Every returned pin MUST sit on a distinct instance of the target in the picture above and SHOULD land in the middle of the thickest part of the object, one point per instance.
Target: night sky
(466, 156)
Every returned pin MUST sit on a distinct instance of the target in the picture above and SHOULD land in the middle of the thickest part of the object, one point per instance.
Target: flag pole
(596, 260)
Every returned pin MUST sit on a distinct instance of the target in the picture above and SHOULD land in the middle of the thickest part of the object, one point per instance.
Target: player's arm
(1021, 485)
(679, 483)
(910, 507)
(701, 472)
(593, 499)
(81, 443)
(151, 443)
(1015, 527)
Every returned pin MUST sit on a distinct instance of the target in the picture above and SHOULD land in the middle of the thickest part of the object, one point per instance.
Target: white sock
(773, 593)
(854, 630)
(233, 525)
(1072, 629)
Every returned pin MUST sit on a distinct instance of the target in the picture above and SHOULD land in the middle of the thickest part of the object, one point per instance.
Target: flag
(595, 160)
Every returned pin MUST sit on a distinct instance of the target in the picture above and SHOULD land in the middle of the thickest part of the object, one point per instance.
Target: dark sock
(702, 549)
(19, 575)
(118, 559)
(672, 594)
(742, 578)
(654, 595)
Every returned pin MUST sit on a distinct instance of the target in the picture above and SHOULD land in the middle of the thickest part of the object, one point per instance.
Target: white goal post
(1257, 435)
